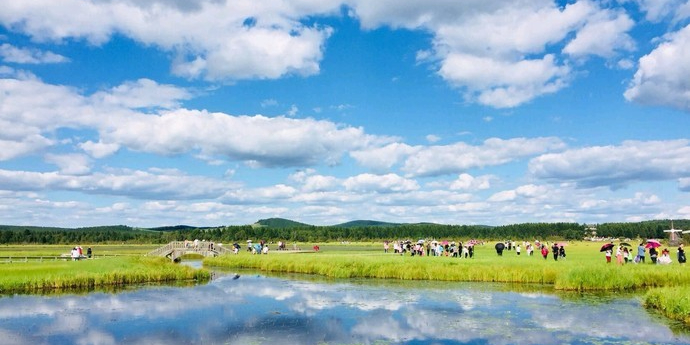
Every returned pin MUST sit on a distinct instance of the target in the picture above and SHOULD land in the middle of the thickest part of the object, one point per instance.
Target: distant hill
(362, 223)
(174, 228)
(280, 223)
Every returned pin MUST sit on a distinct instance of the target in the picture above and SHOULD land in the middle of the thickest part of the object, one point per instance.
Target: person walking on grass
(619, 255)
(561, 252)
(544, 251)
(554, 249)
(641, 252)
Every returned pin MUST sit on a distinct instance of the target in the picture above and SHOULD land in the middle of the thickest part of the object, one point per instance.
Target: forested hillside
(293, 231)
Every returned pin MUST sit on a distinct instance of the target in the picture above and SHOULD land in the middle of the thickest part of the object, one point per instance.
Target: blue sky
(213, 112)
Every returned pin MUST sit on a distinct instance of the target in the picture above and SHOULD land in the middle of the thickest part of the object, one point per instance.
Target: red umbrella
(653, 244)
(606, 247)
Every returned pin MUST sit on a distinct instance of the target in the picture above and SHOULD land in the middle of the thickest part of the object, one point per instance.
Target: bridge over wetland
(176, 249)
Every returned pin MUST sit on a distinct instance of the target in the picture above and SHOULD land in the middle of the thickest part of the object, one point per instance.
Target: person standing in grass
(554, 249)
(626, 254)
(608, 256)
(664, 259)
(517, 250)
(561, 252)
(544, 251)
(641, 252)
(619, 255)
(653, 254)
(681, 254)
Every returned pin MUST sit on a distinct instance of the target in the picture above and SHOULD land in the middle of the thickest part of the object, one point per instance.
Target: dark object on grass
(499, 248)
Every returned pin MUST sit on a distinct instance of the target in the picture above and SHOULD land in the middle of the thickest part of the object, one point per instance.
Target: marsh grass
(673, 302)
(584, 268)
(88, 274)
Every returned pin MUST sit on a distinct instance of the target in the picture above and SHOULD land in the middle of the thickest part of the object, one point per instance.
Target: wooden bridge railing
(176, 249)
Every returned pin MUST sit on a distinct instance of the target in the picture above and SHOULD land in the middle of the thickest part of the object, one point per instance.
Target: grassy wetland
(661, 287)
(664, 287)
(112, 266)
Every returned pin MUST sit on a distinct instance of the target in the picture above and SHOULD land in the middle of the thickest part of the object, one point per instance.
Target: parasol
(606, 247)
(653, 244)
(499, 248)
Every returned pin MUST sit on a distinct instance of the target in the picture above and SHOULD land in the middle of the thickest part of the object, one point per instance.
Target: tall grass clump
(622, 278)
(582, 271)
(391, 267)
(88, 274)
(673, 302)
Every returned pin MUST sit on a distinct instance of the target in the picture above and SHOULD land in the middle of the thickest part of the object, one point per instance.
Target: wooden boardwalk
(174, 250)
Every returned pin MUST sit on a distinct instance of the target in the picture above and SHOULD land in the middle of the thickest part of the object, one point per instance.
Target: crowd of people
(557, 250)
(262, 247)
(77, 253)
(432, 248)
(624, 254)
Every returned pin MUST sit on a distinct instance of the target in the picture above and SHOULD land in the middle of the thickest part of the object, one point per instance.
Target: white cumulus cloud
(616, 166)
(459, 157)
(663, 74)
(380, 183)
(214, 40)
(12, 54)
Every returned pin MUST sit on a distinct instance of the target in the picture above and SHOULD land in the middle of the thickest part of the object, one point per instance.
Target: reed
(89, 274)
(673, 302)
(392, 267)
(584, 269)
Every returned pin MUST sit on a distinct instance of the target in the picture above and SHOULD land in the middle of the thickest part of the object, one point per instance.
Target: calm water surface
(257, 309)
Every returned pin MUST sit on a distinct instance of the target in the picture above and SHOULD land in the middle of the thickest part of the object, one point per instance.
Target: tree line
(308, 233)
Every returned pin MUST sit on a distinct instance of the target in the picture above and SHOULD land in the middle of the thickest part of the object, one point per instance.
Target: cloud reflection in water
(261, 310)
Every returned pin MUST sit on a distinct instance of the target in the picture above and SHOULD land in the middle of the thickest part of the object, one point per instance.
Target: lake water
(258, 309)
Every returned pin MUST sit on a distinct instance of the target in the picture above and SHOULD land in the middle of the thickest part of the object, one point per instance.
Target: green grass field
(113, 265)
(57, 250)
